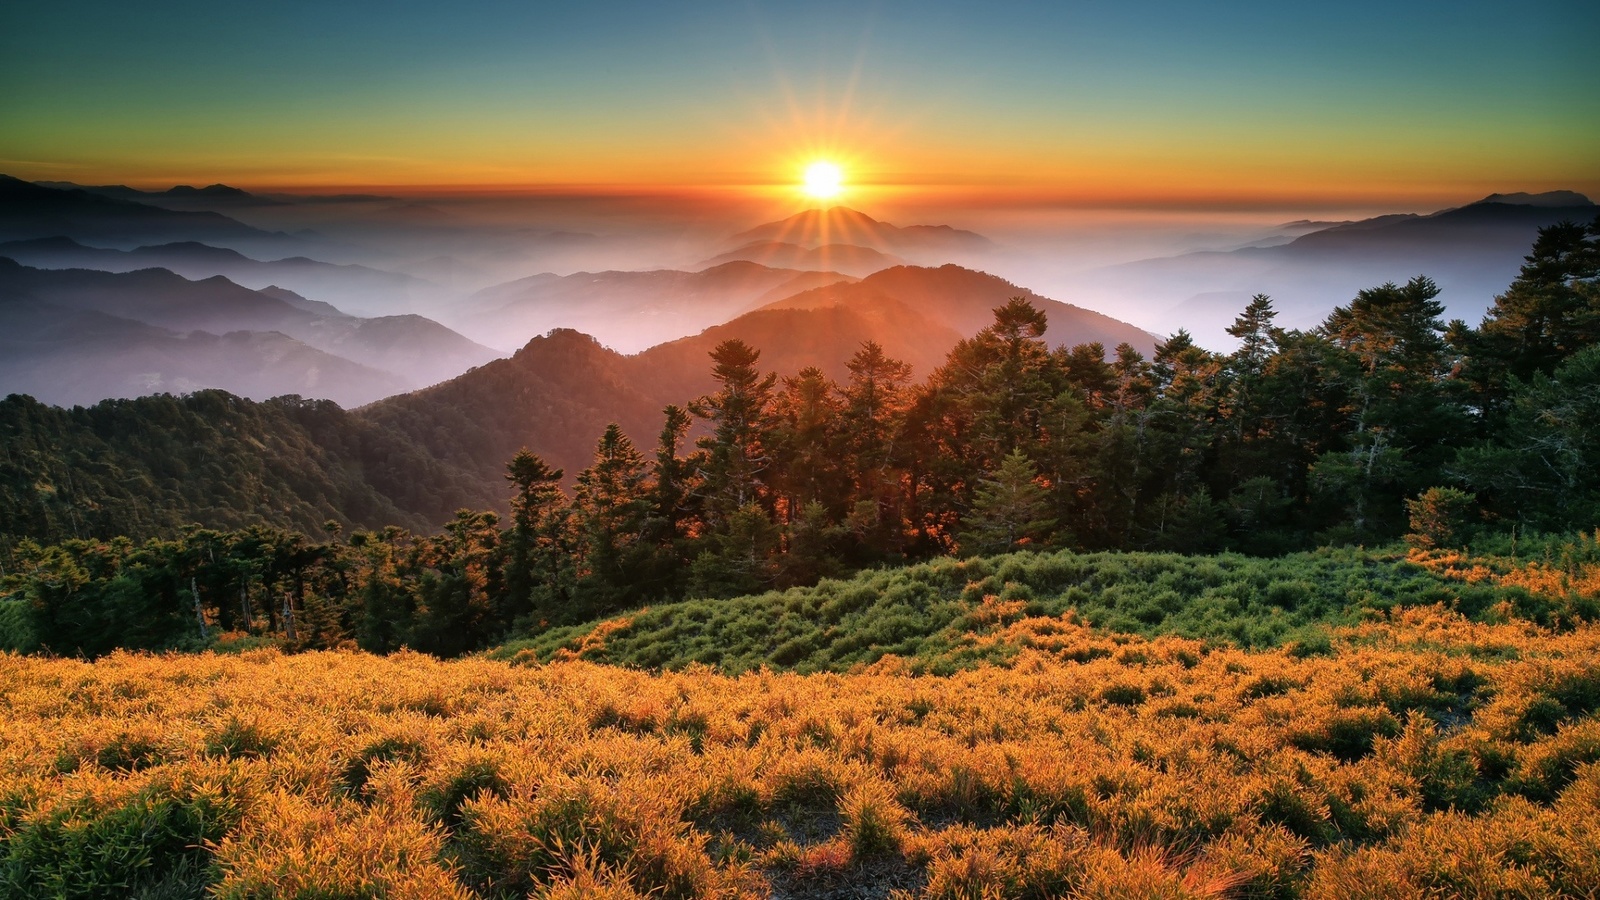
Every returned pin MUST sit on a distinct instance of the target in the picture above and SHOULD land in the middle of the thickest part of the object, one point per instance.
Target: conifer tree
(1401, 418)
(875, 403)
(538, 558)
(807, 444)
(1010, 510)
(611, 506)
(1551, 311)
(456, 612)
(737, 455)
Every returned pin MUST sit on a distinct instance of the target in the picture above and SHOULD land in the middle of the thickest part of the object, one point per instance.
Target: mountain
(410, 458)
(153, 296)
(557, 394)
(1556, 199)
(628, 311)
(75, 357)
(149, 466)
(32, 211)
(791, 339)
(963, 301)
(846, 258)
(1471, 251)
(842, 225)
(357, 288)
(183, 196)
(417, 349)
(300, 302)
(125, 333)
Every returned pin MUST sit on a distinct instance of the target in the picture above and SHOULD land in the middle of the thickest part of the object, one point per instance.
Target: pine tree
(1551, 311)
(538, 558)
(875, 405)
(611, 507)
(736, 452)
(1401, 418)
(807, 445)
(1010, 510)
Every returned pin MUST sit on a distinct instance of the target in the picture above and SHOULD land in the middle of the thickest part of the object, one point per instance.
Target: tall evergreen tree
(1551, 311)
(457, 589)
(611, 509)
(1400, 416)
(808, 446)
(736, 453)
(875, 403)
(1010, 510)
(538, 555)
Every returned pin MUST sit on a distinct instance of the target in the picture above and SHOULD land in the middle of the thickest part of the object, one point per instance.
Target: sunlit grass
(1418, 754)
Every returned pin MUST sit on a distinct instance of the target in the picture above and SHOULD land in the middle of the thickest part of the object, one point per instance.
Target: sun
(823, 180)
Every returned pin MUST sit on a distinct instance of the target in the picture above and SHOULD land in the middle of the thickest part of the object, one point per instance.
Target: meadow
(1414, 751)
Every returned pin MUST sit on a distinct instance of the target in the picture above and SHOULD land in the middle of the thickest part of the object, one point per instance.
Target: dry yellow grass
(1423, 757)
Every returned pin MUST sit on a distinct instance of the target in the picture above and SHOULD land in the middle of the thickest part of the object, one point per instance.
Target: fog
(400, 290)
(464, 243)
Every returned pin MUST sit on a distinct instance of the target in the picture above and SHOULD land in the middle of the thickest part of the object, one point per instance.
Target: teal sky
(1061, 101)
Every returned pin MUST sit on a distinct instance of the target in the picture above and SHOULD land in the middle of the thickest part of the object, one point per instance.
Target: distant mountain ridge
(1471, 251)
(80, 335)
(629, 311)
(962, 299)
(1547, 198)
(359, 287)
(30, 211)
(181, 196)
(846, 258)
(1486, 219)
(842, 225)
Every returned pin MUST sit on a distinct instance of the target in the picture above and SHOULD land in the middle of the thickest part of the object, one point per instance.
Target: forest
(1381, 423)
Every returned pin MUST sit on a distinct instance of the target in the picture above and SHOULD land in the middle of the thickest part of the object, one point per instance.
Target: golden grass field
(1426, 756)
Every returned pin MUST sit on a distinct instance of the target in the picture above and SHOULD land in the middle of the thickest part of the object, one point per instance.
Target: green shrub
(80, 851)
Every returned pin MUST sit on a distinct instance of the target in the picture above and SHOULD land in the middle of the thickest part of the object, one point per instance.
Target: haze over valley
(338, 301)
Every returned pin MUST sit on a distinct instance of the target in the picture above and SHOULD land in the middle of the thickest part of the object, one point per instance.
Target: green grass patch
(928, 613)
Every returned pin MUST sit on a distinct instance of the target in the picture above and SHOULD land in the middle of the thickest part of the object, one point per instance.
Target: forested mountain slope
(148, 467)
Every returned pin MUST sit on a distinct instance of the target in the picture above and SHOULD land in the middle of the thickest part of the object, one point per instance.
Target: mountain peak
(211, 190)
(816, 227)
(1547, 198)
(55, 243)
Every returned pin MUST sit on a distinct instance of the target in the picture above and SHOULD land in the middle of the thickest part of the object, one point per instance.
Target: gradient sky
(1119, 103)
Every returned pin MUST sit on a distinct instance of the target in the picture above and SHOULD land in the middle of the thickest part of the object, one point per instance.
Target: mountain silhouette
(1472, 252)
(391, 353)
(182, 196)
(962, 300)
(67, 357)
(555, 396)
(846, 258)
(31, 211)
(1547, 198)
(628, 311)
(842, 225)
(356, 288)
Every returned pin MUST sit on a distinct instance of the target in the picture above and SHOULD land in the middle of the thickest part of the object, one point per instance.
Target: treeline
(1383, 418)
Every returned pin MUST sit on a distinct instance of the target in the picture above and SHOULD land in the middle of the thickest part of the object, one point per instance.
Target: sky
(1033, 104)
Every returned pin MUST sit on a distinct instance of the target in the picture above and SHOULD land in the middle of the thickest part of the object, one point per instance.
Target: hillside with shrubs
(1319, 618)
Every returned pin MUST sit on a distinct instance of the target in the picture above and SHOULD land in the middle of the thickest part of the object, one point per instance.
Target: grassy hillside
(950, 614)
(1422, 756)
